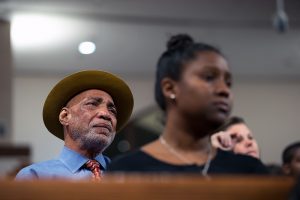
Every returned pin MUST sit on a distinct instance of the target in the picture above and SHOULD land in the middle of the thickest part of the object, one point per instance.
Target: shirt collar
(74, 161)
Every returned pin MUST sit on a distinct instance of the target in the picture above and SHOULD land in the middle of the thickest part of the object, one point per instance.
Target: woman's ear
(64, 116)
(168, 86)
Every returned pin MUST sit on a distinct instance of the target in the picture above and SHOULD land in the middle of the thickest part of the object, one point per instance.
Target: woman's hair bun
(179, 41)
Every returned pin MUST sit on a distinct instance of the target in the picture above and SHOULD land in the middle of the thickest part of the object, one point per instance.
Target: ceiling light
(36, 30)
(86, 47)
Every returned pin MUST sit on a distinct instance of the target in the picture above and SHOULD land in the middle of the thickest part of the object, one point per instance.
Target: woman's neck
(180, 134)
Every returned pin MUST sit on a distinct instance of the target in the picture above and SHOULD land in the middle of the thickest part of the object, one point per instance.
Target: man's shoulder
(47, 163)
(33, 170)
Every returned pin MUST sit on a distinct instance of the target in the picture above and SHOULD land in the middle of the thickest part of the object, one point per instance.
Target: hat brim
(78, 82)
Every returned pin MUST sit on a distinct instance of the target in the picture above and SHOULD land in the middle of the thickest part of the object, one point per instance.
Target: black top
(224, 163)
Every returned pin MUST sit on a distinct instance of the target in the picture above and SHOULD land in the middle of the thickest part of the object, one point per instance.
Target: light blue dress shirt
(69, 165)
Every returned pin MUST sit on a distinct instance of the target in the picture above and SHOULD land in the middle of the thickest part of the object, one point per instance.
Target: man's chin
(96, 144)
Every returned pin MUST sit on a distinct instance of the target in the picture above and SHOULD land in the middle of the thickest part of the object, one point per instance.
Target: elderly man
(85, 109)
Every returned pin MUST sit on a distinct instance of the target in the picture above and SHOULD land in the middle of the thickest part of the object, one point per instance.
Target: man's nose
(103, 113)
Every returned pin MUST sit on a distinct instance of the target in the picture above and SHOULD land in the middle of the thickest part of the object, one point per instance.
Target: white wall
(29, 94)
(270, 107)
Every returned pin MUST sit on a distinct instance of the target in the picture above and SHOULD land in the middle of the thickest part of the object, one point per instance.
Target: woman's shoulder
(231, 156)
(130, 161)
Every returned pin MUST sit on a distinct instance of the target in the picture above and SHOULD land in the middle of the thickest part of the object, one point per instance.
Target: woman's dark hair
(230, 122)
(181, 49)
(289, 152)
(233, 121)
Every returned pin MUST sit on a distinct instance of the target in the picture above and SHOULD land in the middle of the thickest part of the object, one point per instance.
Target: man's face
(92, 120)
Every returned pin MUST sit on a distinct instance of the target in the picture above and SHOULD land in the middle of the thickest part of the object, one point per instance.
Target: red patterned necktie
(94, 166)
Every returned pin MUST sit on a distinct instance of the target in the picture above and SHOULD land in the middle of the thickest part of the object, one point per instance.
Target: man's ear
(64, 116)
(169, 90)
(286, 169)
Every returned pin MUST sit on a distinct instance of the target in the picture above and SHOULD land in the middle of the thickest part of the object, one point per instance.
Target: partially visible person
(274, 169)
(236, 136)
(193, 88)
(85, 109)
(295, 193)
(291, 160)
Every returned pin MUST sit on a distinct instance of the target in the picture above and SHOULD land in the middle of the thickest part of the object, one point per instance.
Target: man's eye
(113, 110)
(91, 103)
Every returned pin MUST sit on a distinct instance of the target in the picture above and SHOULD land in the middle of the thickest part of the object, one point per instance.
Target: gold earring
(172, 96)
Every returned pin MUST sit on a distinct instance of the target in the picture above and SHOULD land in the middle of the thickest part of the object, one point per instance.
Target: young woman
(193, 88)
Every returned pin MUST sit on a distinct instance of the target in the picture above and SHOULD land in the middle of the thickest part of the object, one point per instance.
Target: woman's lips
(222, 106)
(252, 153)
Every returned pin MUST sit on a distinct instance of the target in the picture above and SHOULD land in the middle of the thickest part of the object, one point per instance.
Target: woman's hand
(222, 140)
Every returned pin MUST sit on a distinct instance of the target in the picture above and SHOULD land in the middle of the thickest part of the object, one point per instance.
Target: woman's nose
(249, 143)
(223, 89)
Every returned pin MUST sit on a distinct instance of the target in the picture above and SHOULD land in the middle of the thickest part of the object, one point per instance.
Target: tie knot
(94, 167)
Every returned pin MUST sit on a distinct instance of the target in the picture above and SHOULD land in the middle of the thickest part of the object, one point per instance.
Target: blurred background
(39, 45)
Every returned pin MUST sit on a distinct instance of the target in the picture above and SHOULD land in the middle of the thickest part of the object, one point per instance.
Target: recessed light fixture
(87, 47)
(33, 30)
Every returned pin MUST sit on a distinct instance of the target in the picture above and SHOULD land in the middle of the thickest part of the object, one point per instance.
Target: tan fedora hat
(78, 82)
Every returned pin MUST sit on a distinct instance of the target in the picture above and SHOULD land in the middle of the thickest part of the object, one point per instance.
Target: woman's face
(203, 92)
(244, 142)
